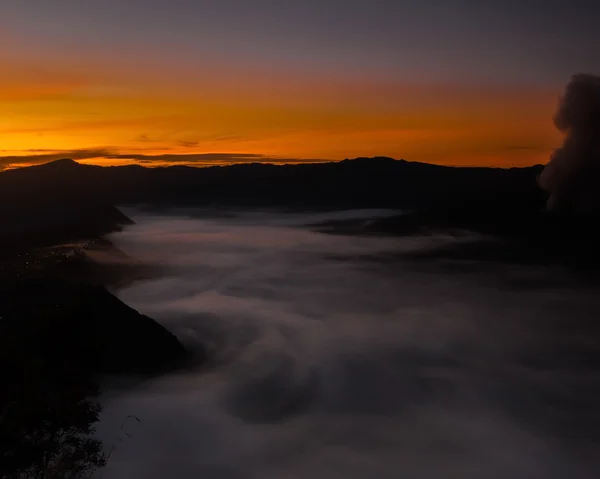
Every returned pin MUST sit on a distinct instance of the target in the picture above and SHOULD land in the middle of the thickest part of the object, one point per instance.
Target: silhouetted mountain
(57, 338)
(25, 226)
(62, 321)
(363, 182)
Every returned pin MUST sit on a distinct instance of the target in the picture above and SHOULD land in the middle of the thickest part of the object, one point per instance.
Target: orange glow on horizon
(54, 107)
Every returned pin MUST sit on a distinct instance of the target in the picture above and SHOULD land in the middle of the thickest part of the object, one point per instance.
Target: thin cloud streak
(109, 155)
(211, 158)
(44, 156)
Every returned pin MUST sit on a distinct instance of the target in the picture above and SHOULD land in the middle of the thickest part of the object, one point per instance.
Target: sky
(457, 82)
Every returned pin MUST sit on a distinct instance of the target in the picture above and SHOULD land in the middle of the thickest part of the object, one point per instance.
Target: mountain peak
(62, 163)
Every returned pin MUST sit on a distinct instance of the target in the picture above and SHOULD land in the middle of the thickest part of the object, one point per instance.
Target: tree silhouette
(47, 414)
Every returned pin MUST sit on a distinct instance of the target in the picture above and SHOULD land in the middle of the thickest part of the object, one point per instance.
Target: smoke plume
(570, 176)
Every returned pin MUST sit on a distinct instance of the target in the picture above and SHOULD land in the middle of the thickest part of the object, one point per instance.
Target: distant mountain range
(360, 182)
(62, 197)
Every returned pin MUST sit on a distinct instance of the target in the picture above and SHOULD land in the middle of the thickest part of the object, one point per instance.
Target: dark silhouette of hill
(26, 226)
(48, 205)
(57, 339)
(358, 183)
(59, 335)
(61, 320)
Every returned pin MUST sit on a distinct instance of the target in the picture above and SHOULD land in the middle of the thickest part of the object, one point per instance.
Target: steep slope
(67, 324)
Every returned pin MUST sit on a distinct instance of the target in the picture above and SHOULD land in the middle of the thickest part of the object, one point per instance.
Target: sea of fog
(341, 357)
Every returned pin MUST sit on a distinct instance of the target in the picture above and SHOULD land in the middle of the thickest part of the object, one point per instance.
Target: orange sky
(54, 103)
(326, 121)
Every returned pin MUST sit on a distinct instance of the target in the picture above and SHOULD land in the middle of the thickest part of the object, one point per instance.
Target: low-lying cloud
(335, 358)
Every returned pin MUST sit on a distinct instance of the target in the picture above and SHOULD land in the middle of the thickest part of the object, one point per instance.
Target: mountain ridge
(359, 182)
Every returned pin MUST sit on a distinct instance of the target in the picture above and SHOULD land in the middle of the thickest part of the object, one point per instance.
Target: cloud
(188, 144)
(210, 159)
(571, 175)
(328, 365)
(229, 138)
(38, 157)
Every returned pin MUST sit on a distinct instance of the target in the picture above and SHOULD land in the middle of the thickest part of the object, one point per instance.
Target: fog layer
(336, 358)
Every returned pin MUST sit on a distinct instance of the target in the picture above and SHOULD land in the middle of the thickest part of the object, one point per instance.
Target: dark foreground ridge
(62, 333)
(54, 302)
(64, 322)
(59, 340)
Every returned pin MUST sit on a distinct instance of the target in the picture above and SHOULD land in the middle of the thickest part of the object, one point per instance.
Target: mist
(340, 356)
